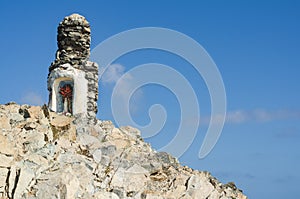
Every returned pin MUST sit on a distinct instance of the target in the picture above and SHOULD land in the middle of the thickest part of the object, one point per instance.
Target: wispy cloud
(112, 74)
(261, 115)
(116, 73)
(32, 98)
(256, 115)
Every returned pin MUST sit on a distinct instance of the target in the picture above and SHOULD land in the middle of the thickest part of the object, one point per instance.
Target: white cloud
(32, 98)
(261, 115)
(125, 85)
(115, 73)
(256, 115)
(238, 116)
(112, 73)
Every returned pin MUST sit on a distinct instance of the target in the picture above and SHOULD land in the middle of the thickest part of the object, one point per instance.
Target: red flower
(66, 91)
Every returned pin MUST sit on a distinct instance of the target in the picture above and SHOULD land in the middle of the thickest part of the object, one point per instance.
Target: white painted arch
(80, 88)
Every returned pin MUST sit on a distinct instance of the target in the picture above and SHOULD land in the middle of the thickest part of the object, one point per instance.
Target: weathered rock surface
(73, 41)
(47, 155)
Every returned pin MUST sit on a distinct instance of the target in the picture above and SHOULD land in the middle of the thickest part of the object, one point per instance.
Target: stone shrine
(72, 78)
(67, 153)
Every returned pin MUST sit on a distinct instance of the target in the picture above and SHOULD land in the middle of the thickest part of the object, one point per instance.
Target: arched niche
(67, 75)
(64, 95)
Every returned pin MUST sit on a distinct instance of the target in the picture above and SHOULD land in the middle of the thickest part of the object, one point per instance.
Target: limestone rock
(39, 159)
(6, 145)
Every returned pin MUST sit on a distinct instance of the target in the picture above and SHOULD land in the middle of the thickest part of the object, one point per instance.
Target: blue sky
(255, 45)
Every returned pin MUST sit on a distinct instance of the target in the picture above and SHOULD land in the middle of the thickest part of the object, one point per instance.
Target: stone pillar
(72, 78)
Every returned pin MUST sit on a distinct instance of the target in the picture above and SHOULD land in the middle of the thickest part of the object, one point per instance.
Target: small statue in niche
(66, 92)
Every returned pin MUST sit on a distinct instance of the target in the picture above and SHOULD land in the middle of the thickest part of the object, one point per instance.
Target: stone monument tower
(72, 78)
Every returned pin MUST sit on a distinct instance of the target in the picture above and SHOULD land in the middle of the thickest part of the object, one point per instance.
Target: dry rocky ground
(47, 155)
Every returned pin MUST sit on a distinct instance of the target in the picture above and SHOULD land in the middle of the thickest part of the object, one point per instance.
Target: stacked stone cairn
(73, 40)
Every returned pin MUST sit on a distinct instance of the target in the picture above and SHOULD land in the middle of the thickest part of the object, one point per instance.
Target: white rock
(4, 123)
(71, 183)
(90, 141)
(132, 179)
(198, 187)
(106, 195)
(3, 176)
(25, 177)
(97, 155)
(6, 146)
(5, 161)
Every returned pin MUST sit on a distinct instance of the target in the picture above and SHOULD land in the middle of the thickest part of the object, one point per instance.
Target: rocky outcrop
(48, 155)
